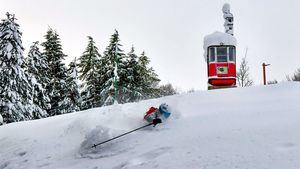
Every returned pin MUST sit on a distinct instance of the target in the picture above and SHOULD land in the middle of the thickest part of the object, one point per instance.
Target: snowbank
(97, 135)
(254, 127)
(217, 38)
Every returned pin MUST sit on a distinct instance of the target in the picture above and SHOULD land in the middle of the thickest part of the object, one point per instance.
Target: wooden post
(264, 73)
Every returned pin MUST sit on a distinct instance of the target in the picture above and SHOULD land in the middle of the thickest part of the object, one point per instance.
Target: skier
(156, 115)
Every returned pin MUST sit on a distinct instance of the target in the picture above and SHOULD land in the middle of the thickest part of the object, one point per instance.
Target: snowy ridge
(255, 127)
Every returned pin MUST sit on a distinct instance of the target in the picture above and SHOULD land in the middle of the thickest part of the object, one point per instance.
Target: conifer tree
(72, 99)
(148, 78)
(37, 71)
(115, 71)
(295, 76)
(89, 64)
(167, 90)
(1, 119)
(57, 73)
(14, 86)
(134, 79)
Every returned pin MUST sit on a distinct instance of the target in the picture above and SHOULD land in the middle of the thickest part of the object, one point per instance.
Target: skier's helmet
(164, 110)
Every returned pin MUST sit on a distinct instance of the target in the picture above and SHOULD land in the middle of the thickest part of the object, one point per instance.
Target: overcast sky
(170, 31)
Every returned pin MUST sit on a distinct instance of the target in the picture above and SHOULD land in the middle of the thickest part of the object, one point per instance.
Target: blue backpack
(164, 110)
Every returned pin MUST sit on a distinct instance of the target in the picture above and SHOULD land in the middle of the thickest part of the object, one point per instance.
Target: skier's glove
(156, 121)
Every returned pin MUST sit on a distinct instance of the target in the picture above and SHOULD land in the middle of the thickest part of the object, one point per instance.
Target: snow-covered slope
(255, 127)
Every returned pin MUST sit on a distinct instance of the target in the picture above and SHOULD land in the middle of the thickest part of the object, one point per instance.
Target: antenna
(228, 24)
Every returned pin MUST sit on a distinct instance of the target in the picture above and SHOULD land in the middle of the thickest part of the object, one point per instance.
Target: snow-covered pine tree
(14, 86)
(57, 73)
(126, 79)
(37, 72)
(115, 69)
(89, 64)
(167, 90)
(133, 78)
(72, 99)
(148, 78)
(295, 76)
(1, 120)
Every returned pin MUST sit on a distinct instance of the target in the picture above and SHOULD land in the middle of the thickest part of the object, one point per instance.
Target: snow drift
(255, 127)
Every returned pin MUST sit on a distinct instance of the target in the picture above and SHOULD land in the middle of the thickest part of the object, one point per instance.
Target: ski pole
(155, 122)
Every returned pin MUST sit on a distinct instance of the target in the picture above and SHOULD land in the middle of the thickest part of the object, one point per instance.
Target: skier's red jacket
(151, 114)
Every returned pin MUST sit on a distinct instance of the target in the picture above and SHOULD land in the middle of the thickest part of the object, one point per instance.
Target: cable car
(220, 55)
